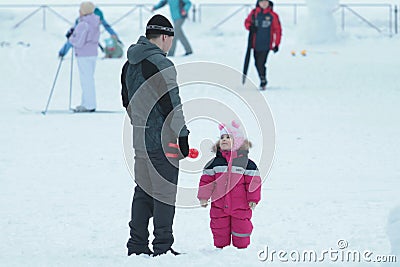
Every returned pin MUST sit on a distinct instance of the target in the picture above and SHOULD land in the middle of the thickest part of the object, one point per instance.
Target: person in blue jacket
(179, 10)
(67, 46)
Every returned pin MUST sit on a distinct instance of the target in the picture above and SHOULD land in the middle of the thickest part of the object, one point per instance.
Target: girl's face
(263, 4)
(226, 142)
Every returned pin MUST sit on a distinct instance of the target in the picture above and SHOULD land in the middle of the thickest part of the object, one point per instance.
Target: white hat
(87, 8)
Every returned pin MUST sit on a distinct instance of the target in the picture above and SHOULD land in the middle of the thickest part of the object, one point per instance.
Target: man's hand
(184, 145)
(253, 28)
(69, 32)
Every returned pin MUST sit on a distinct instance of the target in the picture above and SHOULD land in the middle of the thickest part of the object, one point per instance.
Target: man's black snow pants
(260, 58)
(156, 177)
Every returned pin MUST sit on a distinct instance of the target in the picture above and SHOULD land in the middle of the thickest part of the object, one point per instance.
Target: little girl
(233, 182)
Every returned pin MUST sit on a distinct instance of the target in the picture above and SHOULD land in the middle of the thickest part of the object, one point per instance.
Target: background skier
(97, 11)
(85, 39)
(266, 30)
(179, 10)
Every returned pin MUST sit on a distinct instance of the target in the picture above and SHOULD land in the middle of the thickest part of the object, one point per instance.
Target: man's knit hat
(87, 8)
(159, 24)
(271, 4)
(235, 132)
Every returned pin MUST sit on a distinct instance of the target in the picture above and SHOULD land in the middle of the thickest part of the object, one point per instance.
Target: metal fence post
(390, 21)
(26, 18)
(44, 17)
(230, 16)
(194, 13)
(199, 13)
(342, 17)
(395, 19)
(140, 17)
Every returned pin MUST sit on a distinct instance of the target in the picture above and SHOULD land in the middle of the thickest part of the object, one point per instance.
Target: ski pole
(70, 78)
(52, 88)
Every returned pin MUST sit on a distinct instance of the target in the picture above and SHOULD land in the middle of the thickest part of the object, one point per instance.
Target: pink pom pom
(235, 124)
(221, 126)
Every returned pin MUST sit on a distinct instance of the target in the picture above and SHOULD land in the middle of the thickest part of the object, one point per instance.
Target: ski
(66, 111)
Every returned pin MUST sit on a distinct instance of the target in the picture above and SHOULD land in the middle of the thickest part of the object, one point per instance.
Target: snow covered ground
(65, 191)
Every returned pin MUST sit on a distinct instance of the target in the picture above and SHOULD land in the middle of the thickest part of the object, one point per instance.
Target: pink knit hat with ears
(233, 131)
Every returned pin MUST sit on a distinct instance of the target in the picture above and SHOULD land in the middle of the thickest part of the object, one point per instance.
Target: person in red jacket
(233, 183)
(266, 28)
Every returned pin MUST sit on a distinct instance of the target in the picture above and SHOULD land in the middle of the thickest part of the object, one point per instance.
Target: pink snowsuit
(232, 181)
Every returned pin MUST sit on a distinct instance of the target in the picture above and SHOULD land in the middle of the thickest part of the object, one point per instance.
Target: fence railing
(346, 10)
(196, 15)
(350, 8)
(51, 8)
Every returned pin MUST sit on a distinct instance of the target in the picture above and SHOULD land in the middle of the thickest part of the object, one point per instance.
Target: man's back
(150, 93)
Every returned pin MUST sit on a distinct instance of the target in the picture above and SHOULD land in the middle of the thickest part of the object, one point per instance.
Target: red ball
(193, 153)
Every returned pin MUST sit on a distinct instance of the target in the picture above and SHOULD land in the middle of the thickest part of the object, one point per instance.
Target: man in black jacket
(150, 95)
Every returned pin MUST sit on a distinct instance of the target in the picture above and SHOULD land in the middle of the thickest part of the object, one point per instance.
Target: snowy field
(65, 191)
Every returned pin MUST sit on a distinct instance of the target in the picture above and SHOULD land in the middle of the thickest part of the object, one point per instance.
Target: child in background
(67, 46)
(233, 183)
(265, 26)
(85, 39)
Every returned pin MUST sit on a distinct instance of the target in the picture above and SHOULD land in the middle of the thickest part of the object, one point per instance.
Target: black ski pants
(156, 177)
(260, 58)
